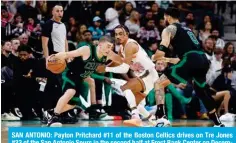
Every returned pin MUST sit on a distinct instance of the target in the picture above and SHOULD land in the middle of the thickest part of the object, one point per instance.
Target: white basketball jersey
(141, 63)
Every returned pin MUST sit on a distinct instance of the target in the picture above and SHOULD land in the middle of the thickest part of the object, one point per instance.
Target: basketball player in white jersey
(145, 76)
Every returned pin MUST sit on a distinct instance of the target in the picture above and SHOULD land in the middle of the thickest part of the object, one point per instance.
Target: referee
(53, 41)
(54, 34)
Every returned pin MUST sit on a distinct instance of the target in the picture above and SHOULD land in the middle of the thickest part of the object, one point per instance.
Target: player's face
(106, 47)
(167, 17)
(58, 12)
(120, 35)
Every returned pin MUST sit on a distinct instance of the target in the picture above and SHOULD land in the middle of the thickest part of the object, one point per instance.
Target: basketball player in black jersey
(193, 63)
(86, 60)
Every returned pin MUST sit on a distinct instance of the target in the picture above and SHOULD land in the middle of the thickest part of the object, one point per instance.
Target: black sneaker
(96, 112)
(47, 115)
(55, 121)
(69, 117)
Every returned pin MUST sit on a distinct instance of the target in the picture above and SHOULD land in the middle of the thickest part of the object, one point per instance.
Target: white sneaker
(163, 122)
(7, 117)
(117, 89)
(221, 125)
(107, 118)
(12, 115)
(83, 116)
(227, 117)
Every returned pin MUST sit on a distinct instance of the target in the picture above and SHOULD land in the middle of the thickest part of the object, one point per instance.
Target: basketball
(56, 65)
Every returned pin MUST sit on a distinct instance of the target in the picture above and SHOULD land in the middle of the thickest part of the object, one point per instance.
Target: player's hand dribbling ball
(56, 64)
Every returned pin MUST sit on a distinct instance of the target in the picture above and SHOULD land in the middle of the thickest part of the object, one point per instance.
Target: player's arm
(66, 46)
(45, 46)
(81, 52)
(167, 34)
(130, 51)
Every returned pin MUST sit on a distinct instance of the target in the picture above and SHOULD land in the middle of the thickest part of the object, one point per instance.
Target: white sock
(130, 98)
(86, 104)
(143, 111)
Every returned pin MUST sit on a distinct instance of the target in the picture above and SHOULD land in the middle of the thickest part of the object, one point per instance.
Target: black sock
(214, 117)
(161, 111)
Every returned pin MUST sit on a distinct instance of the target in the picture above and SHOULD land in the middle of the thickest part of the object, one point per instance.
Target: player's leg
(61, 107)
(198, 69)
(224, 96)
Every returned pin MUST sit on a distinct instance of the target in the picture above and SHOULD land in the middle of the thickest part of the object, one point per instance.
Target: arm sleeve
(123, 68)
(97, 76)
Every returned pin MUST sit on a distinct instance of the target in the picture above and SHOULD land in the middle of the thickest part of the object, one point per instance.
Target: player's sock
(161, 111)
(179, 96)
(143, 111)
(214, 117)
(132, 102)
(168, 99)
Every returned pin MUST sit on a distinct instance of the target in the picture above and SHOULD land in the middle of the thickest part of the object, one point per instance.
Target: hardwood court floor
(117, 123)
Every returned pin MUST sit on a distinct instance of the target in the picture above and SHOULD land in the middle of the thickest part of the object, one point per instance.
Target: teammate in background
(193, 64)
(88, 59)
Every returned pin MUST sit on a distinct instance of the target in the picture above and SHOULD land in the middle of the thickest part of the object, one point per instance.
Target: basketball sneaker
(221, 125)
(163, 122)
(55, 121)
(227, 117)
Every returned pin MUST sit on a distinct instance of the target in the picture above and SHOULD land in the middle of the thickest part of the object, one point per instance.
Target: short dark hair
(122, 27)
(173, 12)
(106, 39)
(24, 48)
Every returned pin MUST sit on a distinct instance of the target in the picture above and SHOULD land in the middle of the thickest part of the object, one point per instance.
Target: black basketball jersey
(83, 68)
(184, 41)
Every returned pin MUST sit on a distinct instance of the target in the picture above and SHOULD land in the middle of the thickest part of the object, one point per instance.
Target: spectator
(87, 39)
(72, 29)
(148, 32)
(206, 19)
(15, 43)
(228, 51)
(24, 39)
(111, 16)
(161, 25)
(6, 50)
(126, 12)
(30, 25)
(220, 43)
(18, 30)
(23, 67)
(157, 12)
(189, 17)
(27, 11)
(79, 34)
(148, 15)
(215, 67)
(17, 20)
(6, 17)
(233, 83)
(42, 9)
(203, 35)
(209, 48)
(96, 30)
(133, 24)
